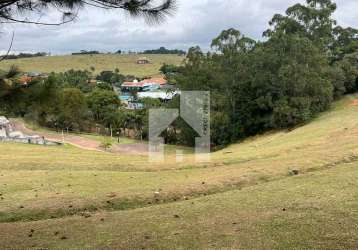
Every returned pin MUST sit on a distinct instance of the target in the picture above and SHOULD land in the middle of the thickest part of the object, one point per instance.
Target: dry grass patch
(312, 211)
(85, 180)
(125, 63)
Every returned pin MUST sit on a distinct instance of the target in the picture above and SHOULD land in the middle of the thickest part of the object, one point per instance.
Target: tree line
(26, 55)
(85, 52)
(163, 50)
(305, 62)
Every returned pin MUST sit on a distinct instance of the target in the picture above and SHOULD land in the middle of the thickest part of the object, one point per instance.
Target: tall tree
(349, 66)
(313, 20)
(232, 61)
(75, 79)
(289, 84)
(103, 103)
(345, 42)
(73, 109)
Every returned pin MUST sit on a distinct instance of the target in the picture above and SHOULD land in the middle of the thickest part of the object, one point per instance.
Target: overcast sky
(196, 22)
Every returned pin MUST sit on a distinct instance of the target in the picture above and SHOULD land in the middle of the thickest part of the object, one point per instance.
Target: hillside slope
(313, 211)
(125, 63)
(247, 197)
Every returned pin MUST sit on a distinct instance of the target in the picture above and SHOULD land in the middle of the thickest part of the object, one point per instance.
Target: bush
(106, 144)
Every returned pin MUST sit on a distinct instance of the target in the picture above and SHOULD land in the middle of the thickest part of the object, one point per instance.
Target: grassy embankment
(246, 197)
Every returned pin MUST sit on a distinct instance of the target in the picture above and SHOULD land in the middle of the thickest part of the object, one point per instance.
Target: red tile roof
(25, 79)
(160, 81)
(132, 84)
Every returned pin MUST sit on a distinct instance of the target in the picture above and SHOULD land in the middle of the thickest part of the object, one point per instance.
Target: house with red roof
(151, 83)
(143, 60)
(25, 79)
(155, 87)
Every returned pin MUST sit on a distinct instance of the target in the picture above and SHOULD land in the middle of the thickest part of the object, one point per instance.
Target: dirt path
(82, 142)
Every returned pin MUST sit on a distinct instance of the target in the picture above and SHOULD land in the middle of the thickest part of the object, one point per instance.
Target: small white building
(4, 126)
(161, 95)
(7, 134)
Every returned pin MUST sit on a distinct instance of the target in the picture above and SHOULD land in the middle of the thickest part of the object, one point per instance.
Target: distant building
(161, 95)
(131, 86)
(159, 80)
(92, 82)
(145, 85)
(4, 126)
(32, 76)
(135, 105)
(25, 79)
(155, 88)
(7, 134)
(143, 60)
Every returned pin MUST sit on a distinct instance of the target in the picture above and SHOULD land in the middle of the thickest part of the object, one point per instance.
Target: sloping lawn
(312, 211)
(247, 197)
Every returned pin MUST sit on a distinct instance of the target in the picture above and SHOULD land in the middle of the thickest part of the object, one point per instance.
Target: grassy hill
(125, 63)
(248, 196)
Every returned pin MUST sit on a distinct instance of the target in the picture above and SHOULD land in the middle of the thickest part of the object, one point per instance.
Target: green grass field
(125, 63)
(245, 198)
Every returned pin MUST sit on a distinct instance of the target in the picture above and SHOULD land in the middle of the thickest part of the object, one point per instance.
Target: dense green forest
(305, 62)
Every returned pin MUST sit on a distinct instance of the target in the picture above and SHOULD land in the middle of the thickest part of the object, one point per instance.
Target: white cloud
(195, 23)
